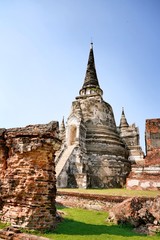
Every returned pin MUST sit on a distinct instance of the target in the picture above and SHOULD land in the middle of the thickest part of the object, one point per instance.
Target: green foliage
(81, 224)
(3, 225)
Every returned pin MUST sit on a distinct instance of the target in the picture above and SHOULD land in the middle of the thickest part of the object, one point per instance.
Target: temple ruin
(27, 173)
(146, 174)
(95, 152)
(90, 151)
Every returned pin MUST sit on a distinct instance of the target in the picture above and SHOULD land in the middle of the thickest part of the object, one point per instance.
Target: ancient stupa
(94, 153)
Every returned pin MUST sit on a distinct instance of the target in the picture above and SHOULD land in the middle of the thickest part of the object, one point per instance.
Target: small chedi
(27, 175)
(95, 152)
(146, 174)
(130, 136)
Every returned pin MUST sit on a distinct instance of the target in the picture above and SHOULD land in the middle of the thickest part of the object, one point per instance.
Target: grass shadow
(60, 206)
(72, 227)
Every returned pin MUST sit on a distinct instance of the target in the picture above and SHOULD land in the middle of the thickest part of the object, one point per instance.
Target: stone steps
(64, 159)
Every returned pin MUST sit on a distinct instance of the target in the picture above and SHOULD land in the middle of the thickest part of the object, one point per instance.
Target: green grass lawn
(81, 224)
(113, 192)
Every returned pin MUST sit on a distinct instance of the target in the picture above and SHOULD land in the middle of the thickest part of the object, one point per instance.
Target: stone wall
(144, 178)
(91, 201)
(88, 201)
(27, 174)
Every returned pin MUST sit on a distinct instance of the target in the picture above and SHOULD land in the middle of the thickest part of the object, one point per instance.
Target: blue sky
(44, 47)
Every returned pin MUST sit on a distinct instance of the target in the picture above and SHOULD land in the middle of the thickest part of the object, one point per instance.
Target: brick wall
(27, 174)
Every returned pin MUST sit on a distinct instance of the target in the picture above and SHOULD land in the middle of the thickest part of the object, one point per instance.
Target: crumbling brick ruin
(141, 213)
(27, 175)
(146, 175)
(152, 140)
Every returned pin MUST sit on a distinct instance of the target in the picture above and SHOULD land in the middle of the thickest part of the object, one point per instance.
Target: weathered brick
(27, 172)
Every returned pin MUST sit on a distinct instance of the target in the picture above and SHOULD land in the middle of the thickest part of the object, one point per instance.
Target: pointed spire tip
(91, 45)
